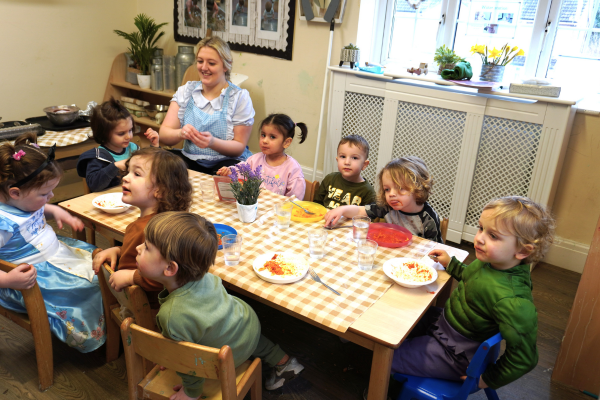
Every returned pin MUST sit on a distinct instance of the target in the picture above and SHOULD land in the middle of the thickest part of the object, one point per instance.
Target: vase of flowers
(245, 185)
(494, 61)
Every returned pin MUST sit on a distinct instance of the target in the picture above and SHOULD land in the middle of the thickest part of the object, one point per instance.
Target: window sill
(589, 105)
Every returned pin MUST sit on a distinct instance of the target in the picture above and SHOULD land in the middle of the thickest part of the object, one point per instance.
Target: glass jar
(169, 73)
(185, 57)
(156, 72)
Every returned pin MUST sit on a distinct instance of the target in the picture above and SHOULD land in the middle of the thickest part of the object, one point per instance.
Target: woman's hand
(180, 395)
(442, 257)
(111, 255)
(201, 139)
(21, 277)
(152, 136)
(61, 216)
(121, 279)
(224, 171)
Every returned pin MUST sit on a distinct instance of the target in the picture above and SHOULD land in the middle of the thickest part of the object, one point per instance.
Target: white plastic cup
(208, 190)
(316, 243)
(283, 214)
(232, 249)
(360, 228)
(366, 250)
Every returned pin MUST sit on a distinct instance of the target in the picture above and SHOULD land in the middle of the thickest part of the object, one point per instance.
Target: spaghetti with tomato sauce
(412, 271)
(388, 236)
(283, 266)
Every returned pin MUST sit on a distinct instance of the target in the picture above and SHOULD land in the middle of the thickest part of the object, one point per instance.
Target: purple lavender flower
(256, 174)
(234, 175)
(245, 169)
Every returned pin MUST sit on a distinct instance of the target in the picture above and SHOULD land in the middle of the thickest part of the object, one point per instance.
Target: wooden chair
(311, 190)
(132, 297)
(224, 381)
(444, 228)
(36, 322)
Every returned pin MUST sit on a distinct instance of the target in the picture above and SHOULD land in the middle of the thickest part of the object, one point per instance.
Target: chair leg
(491, 394)
(113, 338)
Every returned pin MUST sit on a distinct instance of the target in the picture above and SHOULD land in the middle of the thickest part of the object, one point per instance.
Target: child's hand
(121, 279)
(180, 395)
(61, 216)
(21, 277)
(152, 136)
(224, 171)
(111, 255)
(122, 165)
(442, 257)
(482, 384)
(333, 216)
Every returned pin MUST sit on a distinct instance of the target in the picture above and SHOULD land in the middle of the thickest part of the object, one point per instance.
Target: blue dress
(65, 276)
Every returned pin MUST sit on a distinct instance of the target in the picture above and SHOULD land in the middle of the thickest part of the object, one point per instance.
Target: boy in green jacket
(493, 295)
(194, 306)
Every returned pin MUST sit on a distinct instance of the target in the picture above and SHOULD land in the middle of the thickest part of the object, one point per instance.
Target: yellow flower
(277, 176)
(521, 53)
(478, 49)
(515, 48)
(494, 53)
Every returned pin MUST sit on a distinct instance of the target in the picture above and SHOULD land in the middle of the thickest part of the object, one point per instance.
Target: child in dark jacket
(112, 126)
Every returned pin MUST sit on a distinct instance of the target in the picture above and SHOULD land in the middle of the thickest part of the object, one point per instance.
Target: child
(112, 126)
(281, 173)
(269, 12)
(347, 186)
(513, 233)
(195, 307)
(63, 266)
(404, 187)
(157, 181)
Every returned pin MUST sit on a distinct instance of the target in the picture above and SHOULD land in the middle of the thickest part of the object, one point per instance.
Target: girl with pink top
(281, 173)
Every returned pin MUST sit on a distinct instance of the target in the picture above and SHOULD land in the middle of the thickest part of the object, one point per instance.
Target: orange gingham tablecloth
(358, 289)
(65, 138)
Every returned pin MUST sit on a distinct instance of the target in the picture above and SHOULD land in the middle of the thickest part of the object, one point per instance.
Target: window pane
(576, 49)
(494, 24)
(414, 33)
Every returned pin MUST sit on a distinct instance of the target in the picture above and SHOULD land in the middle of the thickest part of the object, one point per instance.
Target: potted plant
(350, 54)
(494, 61)
(446, 58)
(246, 189)
(142, 45)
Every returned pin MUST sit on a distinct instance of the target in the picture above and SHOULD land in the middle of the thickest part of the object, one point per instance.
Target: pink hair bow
(17, 156)
(37, 146)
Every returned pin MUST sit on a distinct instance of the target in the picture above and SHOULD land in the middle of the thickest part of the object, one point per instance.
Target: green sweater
(203, 312)
(488, 301)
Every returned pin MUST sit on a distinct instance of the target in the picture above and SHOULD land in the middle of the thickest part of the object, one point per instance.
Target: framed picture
(255, 26)
(318, 9)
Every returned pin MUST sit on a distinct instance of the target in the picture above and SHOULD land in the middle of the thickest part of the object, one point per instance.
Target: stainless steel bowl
(154, 109)
(62, 115)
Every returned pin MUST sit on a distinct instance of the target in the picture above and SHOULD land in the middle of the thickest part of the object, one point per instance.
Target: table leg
(80, 235)
(380, 372)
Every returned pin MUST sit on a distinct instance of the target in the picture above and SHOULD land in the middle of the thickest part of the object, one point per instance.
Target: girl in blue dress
(63, 266)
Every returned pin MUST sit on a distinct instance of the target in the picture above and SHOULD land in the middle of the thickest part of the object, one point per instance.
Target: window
(561, 38)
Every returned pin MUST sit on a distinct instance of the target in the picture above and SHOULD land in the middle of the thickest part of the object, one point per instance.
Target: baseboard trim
(567, 254)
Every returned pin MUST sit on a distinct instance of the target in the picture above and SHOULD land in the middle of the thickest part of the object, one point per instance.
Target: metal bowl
(153, 109)
(62, 115)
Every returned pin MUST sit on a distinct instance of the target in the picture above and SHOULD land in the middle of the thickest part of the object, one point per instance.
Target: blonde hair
(409, 173)
(222, 48)
(186, 238)
(529, 221)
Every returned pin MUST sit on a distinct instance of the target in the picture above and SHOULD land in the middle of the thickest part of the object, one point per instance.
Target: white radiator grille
(362, 116)
(435, 135)
(505, 162)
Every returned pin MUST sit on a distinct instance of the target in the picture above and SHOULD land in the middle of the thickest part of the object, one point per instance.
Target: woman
(214, 116)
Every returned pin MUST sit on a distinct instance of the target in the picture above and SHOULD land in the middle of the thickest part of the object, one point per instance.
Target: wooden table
(381, 328)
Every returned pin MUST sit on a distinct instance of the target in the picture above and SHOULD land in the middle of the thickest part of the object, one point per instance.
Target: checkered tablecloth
(359, 289)
(65, 138)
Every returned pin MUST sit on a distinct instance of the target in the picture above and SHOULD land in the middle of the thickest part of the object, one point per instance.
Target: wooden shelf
(146, 121)
(127, 85)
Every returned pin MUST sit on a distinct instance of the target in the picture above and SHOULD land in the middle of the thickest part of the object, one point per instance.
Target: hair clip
(37, 146)
(17, 156)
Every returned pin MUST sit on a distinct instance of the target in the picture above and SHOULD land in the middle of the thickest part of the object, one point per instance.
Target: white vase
(144, 81)
(247, 213)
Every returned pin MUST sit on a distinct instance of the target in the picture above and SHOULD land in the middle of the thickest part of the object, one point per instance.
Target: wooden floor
(334, 370)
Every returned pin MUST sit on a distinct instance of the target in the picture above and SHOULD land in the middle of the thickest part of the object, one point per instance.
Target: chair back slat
(487, 353)
(184, 357)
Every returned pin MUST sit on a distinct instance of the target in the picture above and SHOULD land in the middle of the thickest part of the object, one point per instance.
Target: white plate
(389, 264)
(260, 261)
(114, 198)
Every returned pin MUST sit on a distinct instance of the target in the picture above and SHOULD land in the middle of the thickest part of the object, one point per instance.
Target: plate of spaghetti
(280, 267)
(389, 235)
(223, 230)
(298, 215)
(410, 273)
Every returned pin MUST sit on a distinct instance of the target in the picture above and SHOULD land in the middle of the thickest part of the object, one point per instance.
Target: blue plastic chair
(417, 388)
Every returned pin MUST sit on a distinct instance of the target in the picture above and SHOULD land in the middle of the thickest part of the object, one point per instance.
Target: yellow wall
(61, 51)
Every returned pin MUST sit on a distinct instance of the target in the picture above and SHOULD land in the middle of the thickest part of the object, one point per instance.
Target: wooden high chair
(311, 190)
(132, 297)
(36, 322)
(223, 380)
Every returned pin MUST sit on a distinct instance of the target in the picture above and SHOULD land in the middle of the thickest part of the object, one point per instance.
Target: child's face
(271, 141)
(351, 162)
(210, 66)
(120, 137)
(150, 262)
(495, 245)
(34, 199)
(398, 198)
(138, 185)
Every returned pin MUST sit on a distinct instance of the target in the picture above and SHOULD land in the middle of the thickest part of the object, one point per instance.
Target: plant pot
(144, 81)
(247, 213)
(445, 66)
(351, 56)
(491, 73)
(130, 72)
